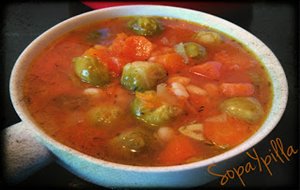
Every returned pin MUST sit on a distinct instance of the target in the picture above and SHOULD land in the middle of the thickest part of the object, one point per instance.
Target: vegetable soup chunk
(148, 91)
(149, 108)
(142, 75)
(145, 26)
(89, 70)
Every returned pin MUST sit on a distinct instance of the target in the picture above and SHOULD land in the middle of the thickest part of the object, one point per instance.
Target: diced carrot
(135, 48)
(172, 62)
(177, 151)
(212, 89)
(237, 89)
(229, 133)
(210, 69)
(150, 100)
(114, 64)
(118, 44)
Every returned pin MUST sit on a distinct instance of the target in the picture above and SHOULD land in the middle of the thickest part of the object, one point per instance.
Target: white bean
(192, 89)
(165, 133)
(182, 80)
(92, 91)
(179, 90)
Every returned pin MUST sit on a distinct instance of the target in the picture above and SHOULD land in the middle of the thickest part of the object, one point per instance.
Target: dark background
(275, 23)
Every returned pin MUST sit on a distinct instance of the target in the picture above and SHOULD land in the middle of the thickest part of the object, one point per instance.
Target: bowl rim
(250, 142)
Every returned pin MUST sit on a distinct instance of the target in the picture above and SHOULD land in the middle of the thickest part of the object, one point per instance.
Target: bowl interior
(272, 65)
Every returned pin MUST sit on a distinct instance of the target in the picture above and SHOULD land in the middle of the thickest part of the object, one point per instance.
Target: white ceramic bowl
(117, 175)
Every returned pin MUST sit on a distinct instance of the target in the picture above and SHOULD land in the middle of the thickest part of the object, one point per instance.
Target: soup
(148, 91)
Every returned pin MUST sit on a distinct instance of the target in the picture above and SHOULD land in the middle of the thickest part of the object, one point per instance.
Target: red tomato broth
(57, 101)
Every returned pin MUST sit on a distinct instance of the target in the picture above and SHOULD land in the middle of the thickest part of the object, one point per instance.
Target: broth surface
(218, 92)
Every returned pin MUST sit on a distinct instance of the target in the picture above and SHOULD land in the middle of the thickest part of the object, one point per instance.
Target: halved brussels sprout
(190, 50)
(153, 112)
(194, 131)
(104, 115)
(91, 71)
(142, 75)
(132, 141)
(208, 37)
(244, 108)
(145, 26)
(194, 50)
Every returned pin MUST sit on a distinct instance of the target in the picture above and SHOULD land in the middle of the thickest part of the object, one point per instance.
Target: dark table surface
(276, 24)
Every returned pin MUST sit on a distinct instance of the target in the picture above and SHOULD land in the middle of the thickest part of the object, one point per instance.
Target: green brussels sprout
(142, 75)
(244, 108)
(91, 71)
(132, 141)
(153, 115)
(190, 50)
(145, 26)
(208, 37)
(104, 115)
(194, 50)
